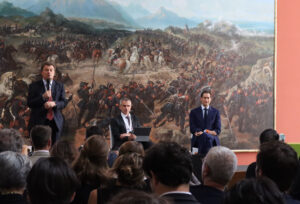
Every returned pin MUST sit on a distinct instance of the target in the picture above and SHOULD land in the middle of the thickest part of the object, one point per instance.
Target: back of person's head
(137, 197)
(221, 164)
(11, 140)
(65, 150)
(92, 130)
(169, 162)
(254, 191)
(91, 165)
(279, 162)
(41, 136)
(128, 168)
(131, 147)
(51, 180)
(14, 170)
(268, 135)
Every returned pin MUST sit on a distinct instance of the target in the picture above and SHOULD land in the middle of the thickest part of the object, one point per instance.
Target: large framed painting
(160, 54)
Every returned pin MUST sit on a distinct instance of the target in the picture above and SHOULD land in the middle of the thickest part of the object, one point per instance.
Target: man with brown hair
(41, 141)
(205, 125)
(46, 99)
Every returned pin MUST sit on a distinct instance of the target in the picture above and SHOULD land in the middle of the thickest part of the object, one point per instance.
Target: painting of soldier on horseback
(161, 59)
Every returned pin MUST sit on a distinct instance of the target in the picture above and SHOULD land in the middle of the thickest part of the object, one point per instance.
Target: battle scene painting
(160, 54)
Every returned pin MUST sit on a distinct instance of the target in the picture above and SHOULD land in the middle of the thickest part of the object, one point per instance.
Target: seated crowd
(165, 173)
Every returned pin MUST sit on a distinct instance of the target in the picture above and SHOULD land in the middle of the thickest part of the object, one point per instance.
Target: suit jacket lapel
(209, 114)
(42, 86)
(202, 114)
(122, 122)
(132, 121)
(53, 90)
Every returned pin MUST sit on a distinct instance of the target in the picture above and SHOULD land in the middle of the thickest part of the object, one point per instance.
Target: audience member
(197, 166)
(91, 167)
(254, 191)
(65, 150)
(11, 140)
(95, 130)
(278, 161)
(41, 140)
(169, 167)
(219, 165)
(266, 136)
(137, 197)
(294, 191)
(128, 175)
(132, 147)
(14, 170)
(50, 181)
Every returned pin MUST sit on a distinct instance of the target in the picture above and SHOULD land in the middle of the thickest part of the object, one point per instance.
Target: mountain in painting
(8, 9)
(100, 9)
(93, 9)
(164, 18)
(136, 11)
(125, 14)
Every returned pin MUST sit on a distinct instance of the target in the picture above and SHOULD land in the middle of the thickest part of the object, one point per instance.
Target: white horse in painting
(6, 84)
(161, 59)
(134, 57)
(147, 62)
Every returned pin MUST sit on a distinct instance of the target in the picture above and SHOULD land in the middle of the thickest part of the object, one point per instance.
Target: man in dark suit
(169, 167)
(218, 167)
(205, 125)
(46, 99)
(123, 125)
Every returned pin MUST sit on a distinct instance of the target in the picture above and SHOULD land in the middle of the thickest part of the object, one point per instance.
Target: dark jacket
(118, 127)
(35, 101)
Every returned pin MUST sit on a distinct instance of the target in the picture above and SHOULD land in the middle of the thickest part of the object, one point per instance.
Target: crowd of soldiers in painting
(155, 102)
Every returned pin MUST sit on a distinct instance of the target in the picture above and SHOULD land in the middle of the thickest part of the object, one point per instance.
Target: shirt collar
(202, 107)
(175, 192)
(124, 116)
(42, 150)
(45, 82)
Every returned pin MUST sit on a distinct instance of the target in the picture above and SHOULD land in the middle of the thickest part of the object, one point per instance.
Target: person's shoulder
(199, 187)
(289, 200)
(134, 116)
(34, 83)
(58, 83)
(214, 109)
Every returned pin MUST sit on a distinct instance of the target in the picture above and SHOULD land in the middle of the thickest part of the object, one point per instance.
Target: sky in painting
(233, 10)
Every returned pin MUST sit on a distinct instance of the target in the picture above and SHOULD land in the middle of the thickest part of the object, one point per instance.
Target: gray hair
(10, 140)
(222, 163)
(14, 170)
(124, 99)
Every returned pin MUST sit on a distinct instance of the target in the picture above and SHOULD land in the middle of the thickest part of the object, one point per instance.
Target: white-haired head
(220, 163)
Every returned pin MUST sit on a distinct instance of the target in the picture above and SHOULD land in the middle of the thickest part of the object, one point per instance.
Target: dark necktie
(205, 117)
(128, 119)
(48, 85)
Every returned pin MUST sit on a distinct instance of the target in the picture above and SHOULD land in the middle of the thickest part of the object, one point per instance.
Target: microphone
(48, 84)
